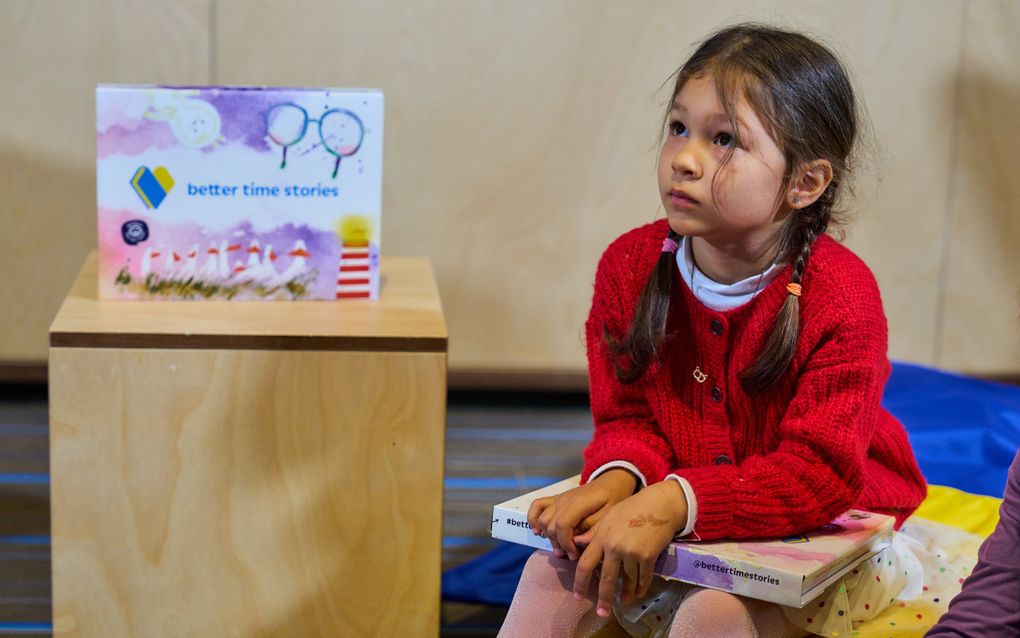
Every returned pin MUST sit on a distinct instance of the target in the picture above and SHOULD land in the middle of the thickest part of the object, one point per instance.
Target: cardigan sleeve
(625, 429)
(989, 603)
(815, 471)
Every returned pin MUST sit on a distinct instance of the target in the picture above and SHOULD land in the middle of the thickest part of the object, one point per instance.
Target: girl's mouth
(681, 199)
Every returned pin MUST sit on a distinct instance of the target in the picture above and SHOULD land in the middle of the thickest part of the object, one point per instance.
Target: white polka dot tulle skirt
(907, 585)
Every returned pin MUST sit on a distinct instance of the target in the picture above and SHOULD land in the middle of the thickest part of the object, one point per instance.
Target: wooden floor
(25, 601)
(498, 445)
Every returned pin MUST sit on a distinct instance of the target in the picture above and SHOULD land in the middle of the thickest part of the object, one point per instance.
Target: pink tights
(544, 607)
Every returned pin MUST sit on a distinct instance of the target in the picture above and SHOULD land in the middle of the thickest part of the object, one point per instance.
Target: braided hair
(779, 347)
(801, 92)
(648, 327)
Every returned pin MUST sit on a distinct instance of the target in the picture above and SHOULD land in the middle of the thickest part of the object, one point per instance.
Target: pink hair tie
(669, 245)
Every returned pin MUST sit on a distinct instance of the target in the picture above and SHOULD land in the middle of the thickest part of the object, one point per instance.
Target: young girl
(737, 357)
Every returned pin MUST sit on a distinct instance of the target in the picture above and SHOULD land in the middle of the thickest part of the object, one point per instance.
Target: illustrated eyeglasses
(340, 131)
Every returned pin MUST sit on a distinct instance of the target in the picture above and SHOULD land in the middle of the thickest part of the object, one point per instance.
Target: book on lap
(789, 571)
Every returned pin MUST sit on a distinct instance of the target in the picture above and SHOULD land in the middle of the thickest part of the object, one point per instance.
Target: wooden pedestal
(248, 469)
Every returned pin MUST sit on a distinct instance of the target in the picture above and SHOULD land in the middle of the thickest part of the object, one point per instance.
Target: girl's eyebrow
(713, 117)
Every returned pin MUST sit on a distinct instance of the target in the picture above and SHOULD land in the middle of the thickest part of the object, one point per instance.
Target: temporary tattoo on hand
(647, 519)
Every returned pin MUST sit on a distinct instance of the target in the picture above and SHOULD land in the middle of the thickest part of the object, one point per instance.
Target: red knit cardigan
(780, 462)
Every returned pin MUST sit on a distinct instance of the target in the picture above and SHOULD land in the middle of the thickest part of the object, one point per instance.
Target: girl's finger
(564, 534)
(586, 564)
(538, 507)
(583, 540)
(546, 525)
(607, 585)
(646, 572)
(564, 527)
(552, 528)
(630, 571)
(550, 533)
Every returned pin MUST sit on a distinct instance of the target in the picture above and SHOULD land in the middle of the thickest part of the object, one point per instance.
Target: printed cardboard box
(238, 193)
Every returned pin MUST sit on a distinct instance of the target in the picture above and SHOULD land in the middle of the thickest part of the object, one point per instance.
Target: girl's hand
(560, 518)
(628, 541)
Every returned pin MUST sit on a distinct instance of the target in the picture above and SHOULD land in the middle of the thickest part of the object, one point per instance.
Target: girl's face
(743, 207)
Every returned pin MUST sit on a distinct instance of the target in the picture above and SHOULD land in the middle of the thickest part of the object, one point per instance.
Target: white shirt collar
(717, 296)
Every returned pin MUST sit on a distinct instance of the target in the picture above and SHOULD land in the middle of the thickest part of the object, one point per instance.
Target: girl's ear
(809, 183)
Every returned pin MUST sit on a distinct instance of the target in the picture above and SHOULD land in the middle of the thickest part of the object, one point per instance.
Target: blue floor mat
(965, 433)
(490, 579)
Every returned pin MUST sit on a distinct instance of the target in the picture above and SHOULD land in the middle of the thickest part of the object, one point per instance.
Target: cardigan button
(716, 393)
(722, 459)
(716, 327)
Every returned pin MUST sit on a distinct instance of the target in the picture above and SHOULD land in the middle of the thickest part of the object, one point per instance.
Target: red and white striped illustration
(354, 281)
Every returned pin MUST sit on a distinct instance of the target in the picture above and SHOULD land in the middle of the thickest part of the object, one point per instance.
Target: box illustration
(238, 193)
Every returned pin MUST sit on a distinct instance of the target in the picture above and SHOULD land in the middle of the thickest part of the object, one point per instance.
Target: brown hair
(803, 96)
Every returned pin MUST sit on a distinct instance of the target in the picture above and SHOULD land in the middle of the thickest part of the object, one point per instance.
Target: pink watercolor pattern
(115, 255)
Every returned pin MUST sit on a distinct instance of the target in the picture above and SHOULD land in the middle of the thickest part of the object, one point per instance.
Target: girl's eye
(724, 139)
(677, 129)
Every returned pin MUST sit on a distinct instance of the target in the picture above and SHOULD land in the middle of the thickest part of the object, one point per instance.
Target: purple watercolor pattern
(242, 113)
(144, 136)
(670, 565)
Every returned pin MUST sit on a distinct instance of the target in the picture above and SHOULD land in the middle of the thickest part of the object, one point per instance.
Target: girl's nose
(686, 161)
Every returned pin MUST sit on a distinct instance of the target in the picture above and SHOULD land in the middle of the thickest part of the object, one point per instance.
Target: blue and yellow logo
(152, 186)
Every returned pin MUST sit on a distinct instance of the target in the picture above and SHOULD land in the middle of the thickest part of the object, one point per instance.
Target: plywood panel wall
(520, 139)
(981, 307)
(517, 144)
(52, 55)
